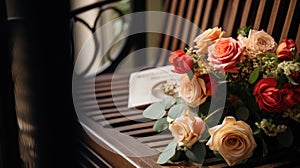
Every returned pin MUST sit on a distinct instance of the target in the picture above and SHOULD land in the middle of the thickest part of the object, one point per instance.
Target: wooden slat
(186, 27)
(198, 16)
(218, 13)
(288, 19)
(178, 26)
(206, 17)
(245, 13)
(273, 16)
(298, 38)
(232, 16)
(259, 14)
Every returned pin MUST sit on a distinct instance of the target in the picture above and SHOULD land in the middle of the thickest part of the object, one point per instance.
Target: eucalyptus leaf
(190, 74)
(242, 113)
(196, 153)
(167, 153)
(168, 102)
(154, 111)
(176, 110)
(286, 138)
(214, 117)
(254, 75)
(161, 124)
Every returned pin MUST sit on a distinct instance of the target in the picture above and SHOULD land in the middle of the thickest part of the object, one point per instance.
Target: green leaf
(254, 75)
(196, 153)
(161, 124)
(168, 102)
(190, 74)
(154, 111)
(265, 148)
(214, 117)
(242, 113)
(168, 152)
(286, 138)
(176, 110)
(291, 80)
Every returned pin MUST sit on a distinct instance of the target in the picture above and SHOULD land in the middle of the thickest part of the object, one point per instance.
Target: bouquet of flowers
(236, 97)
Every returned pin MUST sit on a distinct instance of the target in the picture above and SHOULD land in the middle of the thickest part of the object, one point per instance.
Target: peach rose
(225, 53)
(232, 139)
(258, 43)
(192, 92)
(187, 129)
(207, 38)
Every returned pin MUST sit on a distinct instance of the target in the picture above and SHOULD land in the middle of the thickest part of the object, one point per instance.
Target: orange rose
(286, 49)
(192, 92)
(182, 63)
(187, 129)
(225, 54)
(207, 38)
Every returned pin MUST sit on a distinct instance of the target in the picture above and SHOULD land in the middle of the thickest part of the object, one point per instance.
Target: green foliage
(254, 75)
(176, 110)
(244, 31)
(242, 113)
(196, 153)
(160, 124)
(286, 138)
(168, 102)
(168, 152)
(154, 111)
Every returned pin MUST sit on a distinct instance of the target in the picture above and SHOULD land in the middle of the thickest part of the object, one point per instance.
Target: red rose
(286, 49)
(268, 96)
(182, 63)
(292, 94)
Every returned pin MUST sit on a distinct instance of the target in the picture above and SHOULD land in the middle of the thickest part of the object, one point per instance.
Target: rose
(225, 53)
(232, 139)
(291, 94)
(187, 129)
(268, 96)
(258, 43)
(207, 38)
(286, 49)
(210, 84)
(182, 63)
(192, 92)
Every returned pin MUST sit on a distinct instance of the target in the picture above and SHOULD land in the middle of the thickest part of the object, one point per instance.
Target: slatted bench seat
(114, 135)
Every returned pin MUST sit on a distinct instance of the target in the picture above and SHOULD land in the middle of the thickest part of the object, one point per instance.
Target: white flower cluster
(288, 67)
(269, 128)
(170, 87)
(293, 113)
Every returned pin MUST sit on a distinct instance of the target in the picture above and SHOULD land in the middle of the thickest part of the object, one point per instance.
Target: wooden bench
(114, 135)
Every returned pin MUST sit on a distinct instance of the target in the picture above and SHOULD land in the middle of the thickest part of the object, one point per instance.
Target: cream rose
(192, 92)
(207, 38)
(232, 139)
(258, 43)
(187, 129)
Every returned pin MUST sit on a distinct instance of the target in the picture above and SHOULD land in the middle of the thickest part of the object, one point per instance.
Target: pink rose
(225, 54)
(182, 63)
(268, 96)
